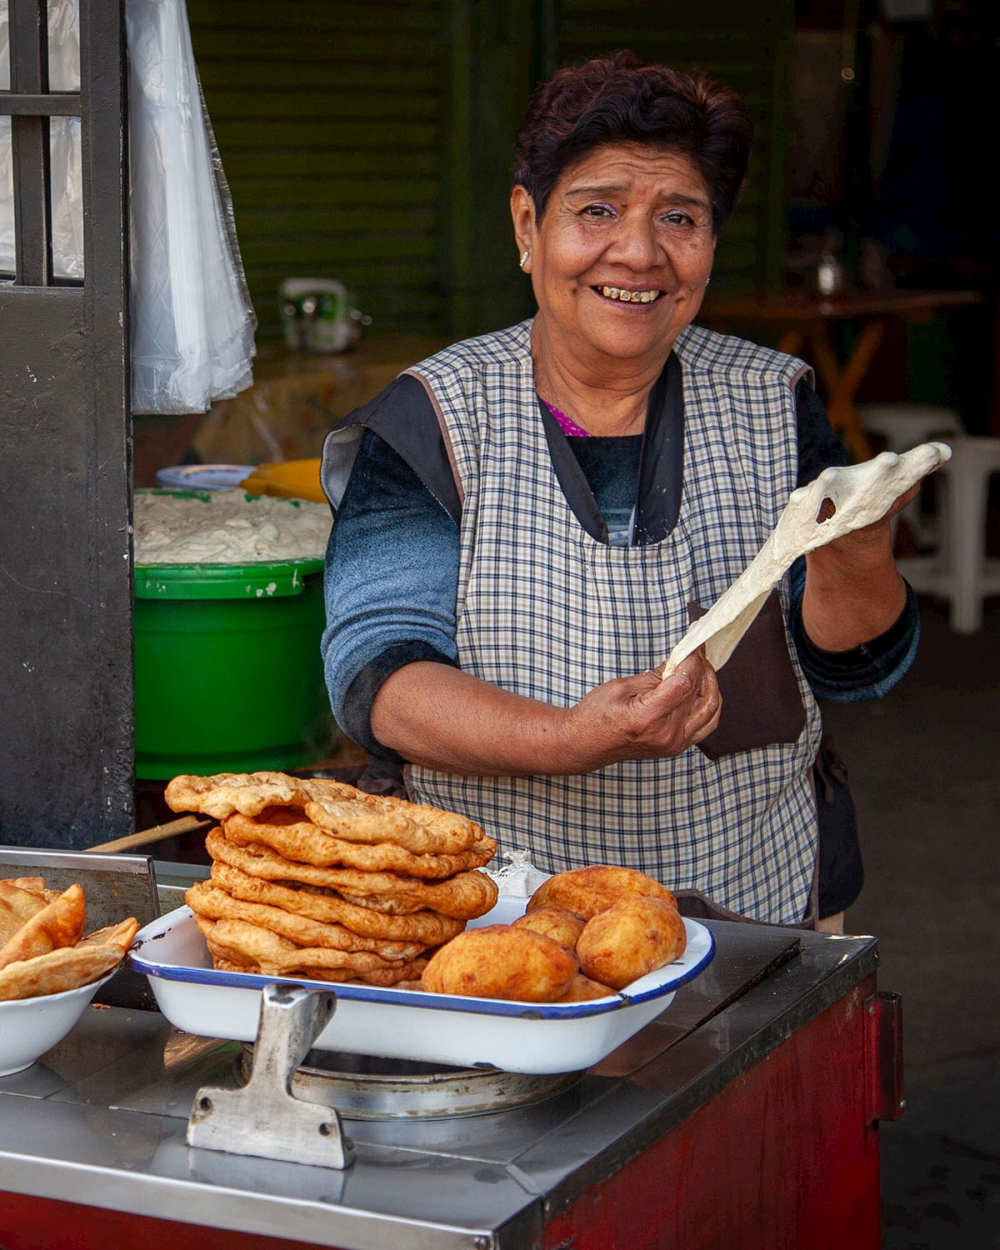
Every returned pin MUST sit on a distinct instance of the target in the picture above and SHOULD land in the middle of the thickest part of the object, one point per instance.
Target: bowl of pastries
(50, 967)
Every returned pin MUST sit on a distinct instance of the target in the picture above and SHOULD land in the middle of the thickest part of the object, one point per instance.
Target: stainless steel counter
(100, 1120)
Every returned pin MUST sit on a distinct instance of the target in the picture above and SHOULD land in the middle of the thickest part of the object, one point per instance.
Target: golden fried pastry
(343, 810)
(464, 896)
(582, 990)
(427, 927)
(247, 944)
(119, 935)
(405, 977)
(418, 828)
(586, 891)
(562, 926)
(18, 903)
(64, 969)
(285, 831)
(629, 939)
(57, 924)
(208, 900)
(225, 793)
(499, 961)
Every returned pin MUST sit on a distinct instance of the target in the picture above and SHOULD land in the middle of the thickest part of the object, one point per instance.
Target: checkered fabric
(548, 612)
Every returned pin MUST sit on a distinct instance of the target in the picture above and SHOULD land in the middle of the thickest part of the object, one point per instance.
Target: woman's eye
(678, 219)
(598, 210)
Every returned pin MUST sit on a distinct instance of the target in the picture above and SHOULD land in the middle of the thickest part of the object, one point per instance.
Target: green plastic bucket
(228, 674)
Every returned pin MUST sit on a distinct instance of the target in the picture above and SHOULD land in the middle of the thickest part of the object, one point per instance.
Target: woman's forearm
(853, 590)
(443, 718)
(438, 716)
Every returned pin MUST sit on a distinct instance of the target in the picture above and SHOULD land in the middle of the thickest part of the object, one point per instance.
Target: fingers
(689, 702)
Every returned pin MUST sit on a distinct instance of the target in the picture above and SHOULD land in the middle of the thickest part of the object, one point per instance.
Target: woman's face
(621, 258)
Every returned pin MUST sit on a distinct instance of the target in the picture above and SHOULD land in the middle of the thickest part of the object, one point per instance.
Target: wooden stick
(157, 833)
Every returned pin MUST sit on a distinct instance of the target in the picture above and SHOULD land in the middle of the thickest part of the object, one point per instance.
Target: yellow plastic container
(290, 479)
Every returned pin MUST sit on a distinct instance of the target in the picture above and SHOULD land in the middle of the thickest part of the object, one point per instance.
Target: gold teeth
(628, 297)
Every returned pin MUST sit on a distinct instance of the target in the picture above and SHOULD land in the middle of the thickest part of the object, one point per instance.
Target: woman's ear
(522, 212)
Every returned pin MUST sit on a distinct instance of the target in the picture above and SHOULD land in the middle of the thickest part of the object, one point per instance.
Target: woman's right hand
(646, 716)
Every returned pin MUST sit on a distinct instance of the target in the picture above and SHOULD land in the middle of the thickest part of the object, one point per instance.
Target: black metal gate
(66, 718)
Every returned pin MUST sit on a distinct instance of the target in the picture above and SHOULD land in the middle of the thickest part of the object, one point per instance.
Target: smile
(628, 297)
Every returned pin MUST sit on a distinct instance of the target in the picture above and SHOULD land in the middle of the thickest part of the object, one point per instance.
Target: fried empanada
(630, 938)
(583, 990)
(563, 926)
(18, 903)
(499, 961)
(57, 924)
(56, 971)
(586, 891)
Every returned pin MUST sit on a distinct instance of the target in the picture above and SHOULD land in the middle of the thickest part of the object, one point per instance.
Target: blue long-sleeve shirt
(392, 562)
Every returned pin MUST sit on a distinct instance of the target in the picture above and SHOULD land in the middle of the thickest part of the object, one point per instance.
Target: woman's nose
(636, 245)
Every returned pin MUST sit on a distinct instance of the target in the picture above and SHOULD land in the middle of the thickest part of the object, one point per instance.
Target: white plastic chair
(960, 570)
(905, 425)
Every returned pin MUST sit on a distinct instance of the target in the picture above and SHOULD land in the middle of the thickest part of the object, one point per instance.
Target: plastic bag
(192, 320)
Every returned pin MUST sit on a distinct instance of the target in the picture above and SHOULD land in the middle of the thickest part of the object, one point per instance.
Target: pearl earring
(524, 256)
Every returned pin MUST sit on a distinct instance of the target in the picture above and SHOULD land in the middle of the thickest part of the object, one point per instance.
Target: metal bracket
(883, 1017)
(264, 1118)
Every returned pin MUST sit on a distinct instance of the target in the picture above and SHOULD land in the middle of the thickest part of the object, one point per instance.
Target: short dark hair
(619, 99)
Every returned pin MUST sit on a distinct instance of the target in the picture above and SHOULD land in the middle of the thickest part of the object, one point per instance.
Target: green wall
(372, 141)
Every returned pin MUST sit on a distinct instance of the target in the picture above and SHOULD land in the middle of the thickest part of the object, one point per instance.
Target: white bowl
(31, 1026)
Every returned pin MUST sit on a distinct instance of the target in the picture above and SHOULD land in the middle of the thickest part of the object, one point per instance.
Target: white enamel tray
(404, 1024)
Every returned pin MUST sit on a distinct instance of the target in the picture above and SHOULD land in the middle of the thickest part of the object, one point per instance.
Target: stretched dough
(861, 495)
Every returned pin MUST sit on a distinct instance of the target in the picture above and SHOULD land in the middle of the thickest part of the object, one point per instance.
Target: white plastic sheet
(192, 320)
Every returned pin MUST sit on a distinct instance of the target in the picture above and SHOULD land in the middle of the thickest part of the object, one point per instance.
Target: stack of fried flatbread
(315, 878)
(42, 945)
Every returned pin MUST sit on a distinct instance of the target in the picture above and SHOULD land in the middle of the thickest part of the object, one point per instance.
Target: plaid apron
(548, 612)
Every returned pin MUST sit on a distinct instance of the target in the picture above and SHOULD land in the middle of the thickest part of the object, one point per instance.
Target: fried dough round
(499, 961)
(383, 903)
(341, 809)
(210, 901)
(464, 896)
(562, 926)
(629, 939)
(583, 990)
(285, 831)
(420, 829)
(586, 891)
(396, 979)
(429, 928)
(246, 944)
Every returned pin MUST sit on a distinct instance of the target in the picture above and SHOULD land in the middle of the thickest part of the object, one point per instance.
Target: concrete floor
(925, 774)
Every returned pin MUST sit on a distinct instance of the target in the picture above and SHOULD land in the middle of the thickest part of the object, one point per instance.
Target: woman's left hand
(854, 591)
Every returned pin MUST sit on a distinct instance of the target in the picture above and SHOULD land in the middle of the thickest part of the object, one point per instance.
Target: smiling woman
(527, 521)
